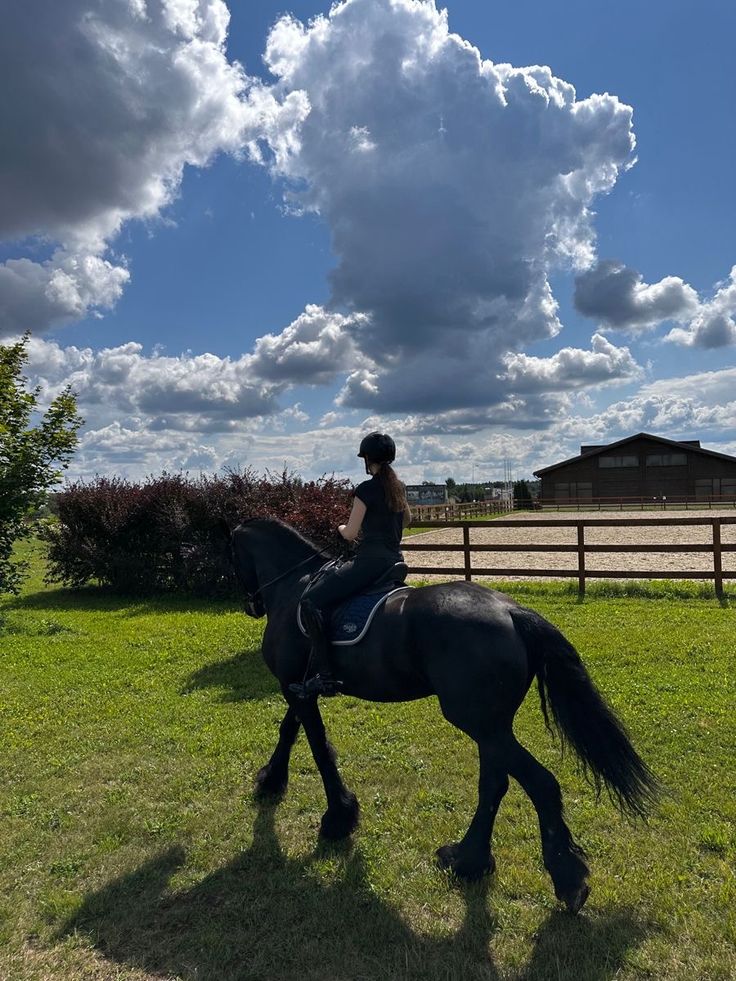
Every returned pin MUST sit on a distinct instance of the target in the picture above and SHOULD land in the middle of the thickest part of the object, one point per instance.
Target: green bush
(31, 456)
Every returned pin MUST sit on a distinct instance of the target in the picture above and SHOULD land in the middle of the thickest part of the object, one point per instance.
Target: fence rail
(715, 547)
(448, 512)
(678, 502)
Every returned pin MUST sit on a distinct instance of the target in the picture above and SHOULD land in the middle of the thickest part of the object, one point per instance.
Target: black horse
(478, 652)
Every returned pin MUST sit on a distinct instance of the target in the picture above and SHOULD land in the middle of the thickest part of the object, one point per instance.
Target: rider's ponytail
(393, 488)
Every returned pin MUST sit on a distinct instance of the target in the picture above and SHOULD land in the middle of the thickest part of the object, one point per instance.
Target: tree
(522, 495)
(32, 457)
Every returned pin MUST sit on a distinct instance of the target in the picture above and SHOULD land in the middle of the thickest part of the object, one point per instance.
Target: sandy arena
(631, 563)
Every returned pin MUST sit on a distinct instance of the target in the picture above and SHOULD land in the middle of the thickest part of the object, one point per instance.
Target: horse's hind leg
(341, 816)
(471, 858)
(273, 778)
(563, 857)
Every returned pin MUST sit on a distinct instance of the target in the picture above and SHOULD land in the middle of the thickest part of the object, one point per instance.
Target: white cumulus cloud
(451, 186)
(64, 288)
(710, 387)
(311, 350)
(213, 390)
(715, 323)
(572, 368)
(617, 296)
(106, 103)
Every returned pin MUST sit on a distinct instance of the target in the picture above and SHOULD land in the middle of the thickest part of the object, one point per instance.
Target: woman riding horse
(380, 512)
(477, 651)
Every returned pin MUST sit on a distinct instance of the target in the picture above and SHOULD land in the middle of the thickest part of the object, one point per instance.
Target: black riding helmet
(377, 448)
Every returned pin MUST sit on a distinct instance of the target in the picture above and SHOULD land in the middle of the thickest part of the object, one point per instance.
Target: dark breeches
(349, 578)
(346, 580)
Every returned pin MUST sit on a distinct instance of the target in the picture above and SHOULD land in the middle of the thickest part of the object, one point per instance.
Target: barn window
(618, 461)
(575, 490)
(707, 487)
(667, 460)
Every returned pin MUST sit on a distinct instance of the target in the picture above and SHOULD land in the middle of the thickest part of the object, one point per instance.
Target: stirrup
(316, 685)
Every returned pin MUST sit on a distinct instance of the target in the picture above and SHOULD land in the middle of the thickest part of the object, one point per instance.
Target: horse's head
(241, 547)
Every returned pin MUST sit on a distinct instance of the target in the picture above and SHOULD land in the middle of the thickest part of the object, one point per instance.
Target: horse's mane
(286, 529)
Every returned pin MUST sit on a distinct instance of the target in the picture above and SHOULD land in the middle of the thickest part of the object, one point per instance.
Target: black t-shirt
(381, 526)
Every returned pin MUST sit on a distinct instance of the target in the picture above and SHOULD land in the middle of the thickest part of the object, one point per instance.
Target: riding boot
(321, 681)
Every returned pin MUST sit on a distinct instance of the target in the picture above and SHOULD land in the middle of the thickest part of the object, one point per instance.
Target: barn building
(641, 467)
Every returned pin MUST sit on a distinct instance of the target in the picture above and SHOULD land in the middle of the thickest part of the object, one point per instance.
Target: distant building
(641, 466)
(426, 493)
(503, 494)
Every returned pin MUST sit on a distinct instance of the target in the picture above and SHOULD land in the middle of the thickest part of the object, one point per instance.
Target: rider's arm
(406, 519)
(352, 528)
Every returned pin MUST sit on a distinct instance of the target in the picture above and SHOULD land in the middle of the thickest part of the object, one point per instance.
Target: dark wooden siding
(588, 478)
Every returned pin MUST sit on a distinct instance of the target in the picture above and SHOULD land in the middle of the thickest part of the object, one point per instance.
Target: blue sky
(204, 258)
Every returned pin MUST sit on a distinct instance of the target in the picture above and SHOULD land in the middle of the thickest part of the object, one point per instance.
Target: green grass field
(132, 848)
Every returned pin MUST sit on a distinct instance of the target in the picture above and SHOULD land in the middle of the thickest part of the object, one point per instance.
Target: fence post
(466, 552)
(717, 558)
(581, 559)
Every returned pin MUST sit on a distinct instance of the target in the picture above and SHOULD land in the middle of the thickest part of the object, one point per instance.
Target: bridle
(250, 597)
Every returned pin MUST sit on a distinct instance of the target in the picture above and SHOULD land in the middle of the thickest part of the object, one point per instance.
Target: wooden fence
(581, 548)
(633, 503)
(422, 513)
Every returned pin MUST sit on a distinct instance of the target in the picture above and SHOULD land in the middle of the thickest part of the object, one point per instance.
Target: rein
(288, 572)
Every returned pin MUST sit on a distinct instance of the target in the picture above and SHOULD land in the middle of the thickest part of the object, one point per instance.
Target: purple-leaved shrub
(165, 534)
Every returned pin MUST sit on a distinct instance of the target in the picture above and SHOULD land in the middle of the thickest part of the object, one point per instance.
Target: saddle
(348, 622)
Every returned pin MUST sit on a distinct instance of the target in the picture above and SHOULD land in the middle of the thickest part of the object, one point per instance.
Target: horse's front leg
(273, 778)
(341, 816)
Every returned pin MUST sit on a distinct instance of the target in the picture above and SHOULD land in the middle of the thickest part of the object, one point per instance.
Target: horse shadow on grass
(243, 677)
(104, 599)
(267, 917)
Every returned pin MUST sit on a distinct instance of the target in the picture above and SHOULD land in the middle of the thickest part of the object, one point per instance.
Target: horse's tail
(583, 718)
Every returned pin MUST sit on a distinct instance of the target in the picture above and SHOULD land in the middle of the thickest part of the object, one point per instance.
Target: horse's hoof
(270, 782)
(450, 858)
(575, 899)
(340, 822)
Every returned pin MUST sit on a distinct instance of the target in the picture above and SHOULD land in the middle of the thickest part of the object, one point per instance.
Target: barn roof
(691, 445)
